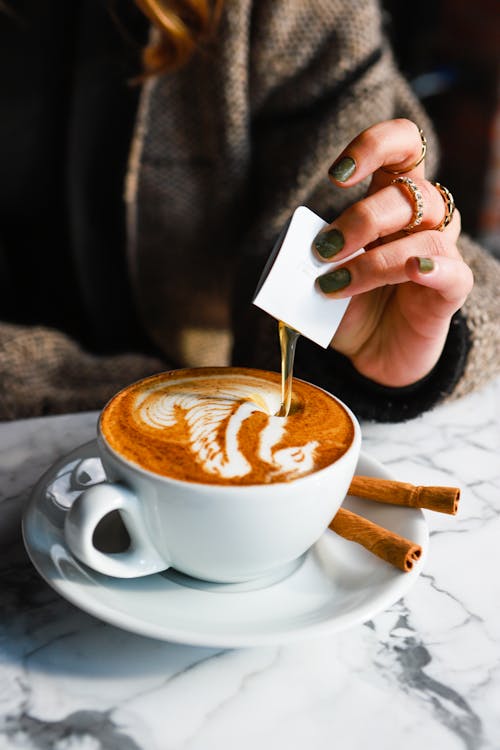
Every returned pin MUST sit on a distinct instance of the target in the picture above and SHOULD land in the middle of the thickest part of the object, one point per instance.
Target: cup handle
(140, 559)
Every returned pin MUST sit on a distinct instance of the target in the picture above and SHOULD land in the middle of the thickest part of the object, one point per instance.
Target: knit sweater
(224, 150)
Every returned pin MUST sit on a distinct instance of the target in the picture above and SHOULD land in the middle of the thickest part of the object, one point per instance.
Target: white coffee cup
(225, 533)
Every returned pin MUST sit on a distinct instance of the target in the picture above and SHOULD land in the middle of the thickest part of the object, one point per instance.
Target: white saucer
(338, 584)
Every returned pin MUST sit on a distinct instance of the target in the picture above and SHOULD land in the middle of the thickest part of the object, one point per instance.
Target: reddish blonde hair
(183, 25)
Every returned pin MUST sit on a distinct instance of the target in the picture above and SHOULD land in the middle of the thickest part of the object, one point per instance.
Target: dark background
(450, 52)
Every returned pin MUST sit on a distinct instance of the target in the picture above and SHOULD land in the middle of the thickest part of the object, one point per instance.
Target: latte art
(218, 426)
(213, 426)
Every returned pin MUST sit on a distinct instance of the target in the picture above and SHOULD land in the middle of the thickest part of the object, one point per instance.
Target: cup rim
(355, 443)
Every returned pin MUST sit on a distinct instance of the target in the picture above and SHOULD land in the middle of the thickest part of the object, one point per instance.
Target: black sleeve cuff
(370, 400)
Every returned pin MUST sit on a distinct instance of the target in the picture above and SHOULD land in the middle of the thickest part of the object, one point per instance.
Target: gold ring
(449, 205)
(415, 164)
(418, 201)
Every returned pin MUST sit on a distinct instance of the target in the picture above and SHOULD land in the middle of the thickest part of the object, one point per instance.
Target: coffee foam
(217, 425)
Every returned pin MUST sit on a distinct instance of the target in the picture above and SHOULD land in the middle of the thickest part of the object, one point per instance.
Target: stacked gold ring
(449, 206)
(418, 201)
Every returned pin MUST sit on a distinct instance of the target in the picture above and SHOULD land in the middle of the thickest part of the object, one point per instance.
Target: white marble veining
(424, 673)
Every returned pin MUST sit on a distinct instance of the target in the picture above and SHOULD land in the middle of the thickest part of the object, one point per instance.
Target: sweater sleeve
(481, 313)
(44, 371)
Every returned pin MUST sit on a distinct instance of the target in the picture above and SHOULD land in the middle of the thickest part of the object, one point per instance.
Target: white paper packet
(287, 288)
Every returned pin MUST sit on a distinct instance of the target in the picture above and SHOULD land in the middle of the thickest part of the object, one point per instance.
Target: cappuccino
(218, 426)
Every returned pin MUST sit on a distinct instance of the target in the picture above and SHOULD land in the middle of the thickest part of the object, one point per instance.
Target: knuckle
(369, 140)
(433, 203)
(438, 244)
(442, 243)
(376, 264)
(404, 122)
(430, 194)
(363, 214)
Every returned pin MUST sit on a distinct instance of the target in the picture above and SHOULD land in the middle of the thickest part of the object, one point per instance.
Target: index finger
(393, 145)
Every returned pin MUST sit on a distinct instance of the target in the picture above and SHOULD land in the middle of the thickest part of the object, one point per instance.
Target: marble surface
(424, 673)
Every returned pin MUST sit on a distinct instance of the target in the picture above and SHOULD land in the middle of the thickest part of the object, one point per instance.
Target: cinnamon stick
(441, 499)
(387, 545)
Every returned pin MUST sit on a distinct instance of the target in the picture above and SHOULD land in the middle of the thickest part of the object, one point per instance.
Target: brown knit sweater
(224, 150)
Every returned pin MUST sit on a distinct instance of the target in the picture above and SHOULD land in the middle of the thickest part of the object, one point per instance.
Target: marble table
(423, 673)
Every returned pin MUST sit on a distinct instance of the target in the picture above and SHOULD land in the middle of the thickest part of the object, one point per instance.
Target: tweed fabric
(482, 313)
(42, 371)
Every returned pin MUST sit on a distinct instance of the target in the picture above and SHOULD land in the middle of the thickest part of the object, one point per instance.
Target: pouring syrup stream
(288, 341)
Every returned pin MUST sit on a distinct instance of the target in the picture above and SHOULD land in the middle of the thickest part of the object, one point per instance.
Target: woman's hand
(407, 286)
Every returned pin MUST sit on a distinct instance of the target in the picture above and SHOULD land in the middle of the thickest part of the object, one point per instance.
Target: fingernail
(341, 170)
(329, 243)
(425, 265)
(335, 280)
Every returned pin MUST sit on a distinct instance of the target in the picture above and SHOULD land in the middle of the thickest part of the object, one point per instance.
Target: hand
(406, 287)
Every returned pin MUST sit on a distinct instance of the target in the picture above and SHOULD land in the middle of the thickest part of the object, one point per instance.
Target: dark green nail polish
(425, 265)
(335, 280)
(329, 243)
(341, 170)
